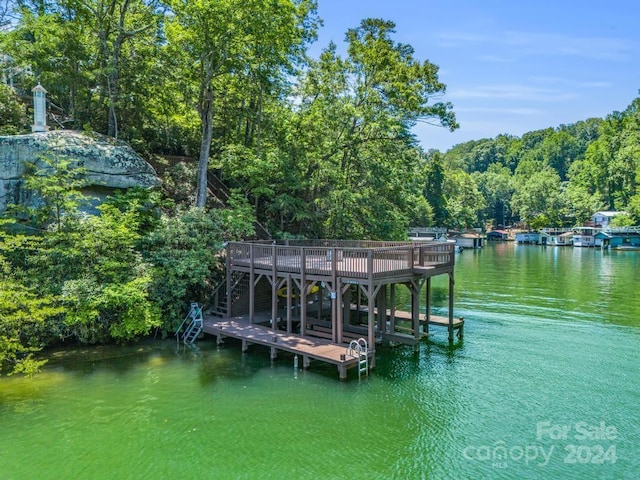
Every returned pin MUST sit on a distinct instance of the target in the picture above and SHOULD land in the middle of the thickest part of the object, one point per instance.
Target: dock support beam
(451, 283)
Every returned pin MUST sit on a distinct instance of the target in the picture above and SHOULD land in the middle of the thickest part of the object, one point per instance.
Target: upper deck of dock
(350, 260)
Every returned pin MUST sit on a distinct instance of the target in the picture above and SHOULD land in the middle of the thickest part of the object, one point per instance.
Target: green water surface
(545, 385)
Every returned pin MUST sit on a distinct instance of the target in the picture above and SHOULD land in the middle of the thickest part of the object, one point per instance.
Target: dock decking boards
(308, 347)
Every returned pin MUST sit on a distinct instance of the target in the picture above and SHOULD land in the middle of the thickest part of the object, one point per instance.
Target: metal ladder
(360, 350)
(194, 327)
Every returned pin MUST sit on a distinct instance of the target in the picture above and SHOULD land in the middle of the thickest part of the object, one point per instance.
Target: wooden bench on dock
(436, 320)
(325, 332)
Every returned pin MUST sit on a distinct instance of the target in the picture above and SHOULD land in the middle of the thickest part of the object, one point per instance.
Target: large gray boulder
(109, 164)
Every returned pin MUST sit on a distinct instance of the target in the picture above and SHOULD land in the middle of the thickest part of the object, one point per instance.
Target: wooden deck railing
(353, 259)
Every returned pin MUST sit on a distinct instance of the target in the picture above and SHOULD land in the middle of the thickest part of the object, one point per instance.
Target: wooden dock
(295, 296)
(309, 348)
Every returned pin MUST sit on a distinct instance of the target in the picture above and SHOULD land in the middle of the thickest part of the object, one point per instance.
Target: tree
(185, 251)
(13, 116)
(115, 24)
(559, 150)
(228, 38)
(352, 143)
(465, 203)
(22, 314)
(57, 181)
(95, 57)
(537, 194)
(434, 189)
(496, 187)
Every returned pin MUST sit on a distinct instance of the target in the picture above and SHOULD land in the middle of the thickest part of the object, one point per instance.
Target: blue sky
(510, 66)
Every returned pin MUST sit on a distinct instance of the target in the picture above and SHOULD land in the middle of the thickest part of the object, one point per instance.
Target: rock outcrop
(108, 164)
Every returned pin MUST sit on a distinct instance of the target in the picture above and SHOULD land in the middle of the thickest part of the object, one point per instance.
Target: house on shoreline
(622, 238)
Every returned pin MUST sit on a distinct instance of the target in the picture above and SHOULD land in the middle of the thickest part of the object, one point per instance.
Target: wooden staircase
(216, 187)
(239, 289)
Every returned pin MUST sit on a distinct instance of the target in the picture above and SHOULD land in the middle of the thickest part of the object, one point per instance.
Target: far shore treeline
(310, 147)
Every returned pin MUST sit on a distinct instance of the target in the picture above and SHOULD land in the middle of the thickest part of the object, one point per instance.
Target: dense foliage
(318, 148)
(555, 177)
(109, 277)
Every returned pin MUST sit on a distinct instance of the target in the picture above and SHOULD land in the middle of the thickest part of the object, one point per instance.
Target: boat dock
(320, 299)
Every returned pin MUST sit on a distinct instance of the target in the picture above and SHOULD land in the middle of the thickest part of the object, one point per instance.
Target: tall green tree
(224, 39)
(434, 189)
(22, 314)
(537, 196)
(353, 142)
(119, 26)
(465, 203)
(95, 58)
(56, 181)
(13, 115)
(496, 187)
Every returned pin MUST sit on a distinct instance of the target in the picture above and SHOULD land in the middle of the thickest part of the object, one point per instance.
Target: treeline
(321, 147)
(546, 178)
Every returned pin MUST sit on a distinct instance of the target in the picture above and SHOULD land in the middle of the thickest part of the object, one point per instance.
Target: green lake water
(546, 384)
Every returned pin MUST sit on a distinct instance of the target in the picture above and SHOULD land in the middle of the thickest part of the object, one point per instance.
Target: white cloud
(531, 43)
(601, 48)
(511, 92)
(571, 83)
(496, 58)
(522, 111)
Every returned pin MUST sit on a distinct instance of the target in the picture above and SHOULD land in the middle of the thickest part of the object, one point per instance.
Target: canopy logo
(582, 443)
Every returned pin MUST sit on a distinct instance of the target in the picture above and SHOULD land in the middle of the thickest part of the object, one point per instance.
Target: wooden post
(451, 283)
(274, 289)
(229, 306)
(289, 302)
(427, 307)
(335, 296)
(371, 309)
(392, 318)
(321, 291)
(382, 308)
(303, 286)
(252, 286)
(415, 309)
(359, 303)
(337, 333)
